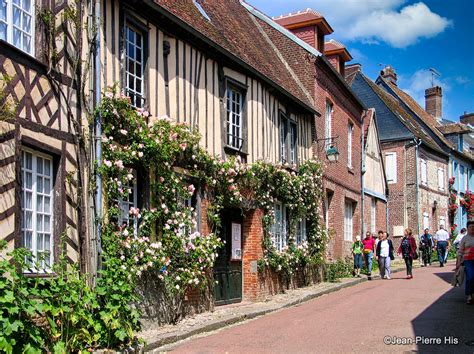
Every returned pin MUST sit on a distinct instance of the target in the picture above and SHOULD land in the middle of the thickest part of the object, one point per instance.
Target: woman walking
(357, 248)
(466, 256)
(407, 249)
(384, 254)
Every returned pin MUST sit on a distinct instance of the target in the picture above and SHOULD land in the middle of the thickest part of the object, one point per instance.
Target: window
(301, 235)
(17, 23)
(373, 215)
(441, 179)
(350, 129)
(348, 216)
(126, 204)
(280, 227)
(37, 208)
(424, 172)
(134, 66)
(455, 175)
(293, 142)
(288, 140)
(391, 167)
(426, 221)
(442, 221)
(328, 124)
(326, 210)
(234, 118)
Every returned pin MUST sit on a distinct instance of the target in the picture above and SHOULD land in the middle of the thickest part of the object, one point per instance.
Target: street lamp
(332, 154)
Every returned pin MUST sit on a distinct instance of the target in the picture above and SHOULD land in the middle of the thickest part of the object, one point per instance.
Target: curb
(170, 338)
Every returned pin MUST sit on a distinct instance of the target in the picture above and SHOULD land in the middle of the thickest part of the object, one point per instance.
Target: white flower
(107, 163)
(123, 132)
(140, 154)
(177, 287)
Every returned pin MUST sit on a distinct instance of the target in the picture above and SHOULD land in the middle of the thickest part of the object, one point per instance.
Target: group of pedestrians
(382, 249)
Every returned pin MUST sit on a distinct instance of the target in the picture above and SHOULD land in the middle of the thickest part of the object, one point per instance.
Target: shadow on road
(447, 325)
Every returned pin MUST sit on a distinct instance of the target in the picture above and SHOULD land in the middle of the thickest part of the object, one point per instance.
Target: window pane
(28, 220)
(28, 202)
(47, 205)
(39, 203)
(16, 38)
(3, 10)
(27, 240)
(39, 223)
(3, 31)
(26, 23)
(47, 186)
(47, 224)
(39, 184)
(17, 17)
(39, 165)
(28, 180)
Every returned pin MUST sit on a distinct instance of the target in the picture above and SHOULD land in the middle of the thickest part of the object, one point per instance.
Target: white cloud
(416, 84)
(357, 54)
(371, 21)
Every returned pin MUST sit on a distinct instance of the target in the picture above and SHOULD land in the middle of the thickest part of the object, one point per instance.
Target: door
(228, 265)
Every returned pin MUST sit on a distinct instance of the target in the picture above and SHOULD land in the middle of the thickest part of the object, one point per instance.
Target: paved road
(357, 319)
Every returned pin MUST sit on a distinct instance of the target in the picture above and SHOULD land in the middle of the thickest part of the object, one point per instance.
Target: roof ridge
(335, 42)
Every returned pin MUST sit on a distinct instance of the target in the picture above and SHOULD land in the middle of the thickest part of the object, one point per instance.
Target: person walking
(369, 244)
(384, 253)
(459, 237)
(442, 244)
(465, 256)
(357, 249)
(407, 249)
(426, 246)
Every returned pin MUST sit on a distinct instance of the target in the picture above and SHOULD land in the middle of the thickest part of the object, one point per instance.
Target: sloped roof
(410, 102)
(455, 128)
(232, 28)
(332, 47)
(351, 72)
(412, 124)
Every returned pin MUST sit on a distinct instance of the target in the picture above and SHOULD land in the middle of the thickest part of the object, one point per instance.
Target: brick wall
(380, 214)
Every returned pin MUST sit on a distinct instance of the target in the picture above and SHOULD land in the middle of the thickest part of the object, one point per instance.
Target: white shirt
(384, 248)
(441, 235)
(459, 238)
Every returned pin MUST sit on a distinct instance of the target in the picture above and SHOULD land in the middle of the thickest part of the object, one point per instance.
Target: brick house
(340, 127)
(416, 154)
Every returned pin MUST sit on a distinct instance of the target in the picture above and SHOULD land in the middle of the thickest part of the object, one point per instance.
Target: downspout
(98, 136)
(417, 144)
(362, 172)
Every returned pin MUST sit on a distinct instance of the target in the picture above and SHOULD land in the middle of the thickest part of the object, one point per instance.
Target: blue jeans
(358, 261)
(368, 261)
(441, 248)
(469, 269)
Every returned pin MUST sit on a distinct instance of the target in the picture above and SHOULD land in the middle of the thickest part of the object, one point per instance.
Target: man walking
(426, 246)
(459, 237)
(442, 244)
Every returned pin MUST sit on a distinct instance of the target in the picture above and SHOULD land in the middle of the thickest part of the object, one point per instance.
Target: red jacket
(412, 242)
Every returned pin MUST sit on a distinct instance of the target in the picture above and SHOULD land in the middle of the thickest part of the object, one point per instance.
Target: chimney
(433, 102)
(389, 74)
(467, 118)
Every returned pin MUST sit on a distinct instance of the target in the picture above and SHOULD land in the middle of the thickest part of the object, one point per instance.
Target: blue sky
(412, 36)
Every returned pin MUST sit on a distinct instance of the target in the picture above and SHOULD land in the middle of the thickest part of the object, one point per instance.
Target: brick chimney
(467, 118)
(308, 25)
(389, 74)
(433, 102)
(337, 55)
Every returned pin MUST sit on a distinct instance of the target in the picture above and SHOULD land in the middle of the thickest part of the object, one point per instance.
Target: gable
(374, 177)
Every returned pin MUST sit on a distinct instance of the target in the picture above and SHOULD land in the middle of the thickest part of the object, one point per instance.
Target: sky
(411, 36)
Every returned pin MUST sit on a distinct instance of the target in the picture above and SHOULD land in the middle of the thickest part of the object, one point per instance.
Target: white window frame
(328, 124)
(441, 179)
(37, 215)
(293, 132)
(393, 167)
(280, 227)
(301, 231)
(424, 172)
(284, 128)
(10, 26)
(350, 130)
(373, 215)
(348, 220)
(125, 205)
(466, 178)
(234, 107)
(426, 221)
(137, 95)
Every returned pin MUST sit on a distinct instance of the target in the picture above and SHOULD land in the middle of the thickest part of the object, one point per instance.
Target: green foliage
(342, 268)
(7, 105)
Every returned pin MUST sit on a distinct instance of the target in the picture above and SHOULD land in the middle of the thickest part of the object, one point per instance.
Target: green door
(228, 268)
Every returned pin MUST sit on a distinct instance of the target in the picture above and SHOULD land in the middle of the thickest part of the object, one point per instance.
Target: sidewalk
(231, 314)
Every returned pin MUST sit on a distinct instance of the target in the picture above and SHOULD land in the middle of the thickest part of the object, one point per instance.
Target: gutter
(362, 173)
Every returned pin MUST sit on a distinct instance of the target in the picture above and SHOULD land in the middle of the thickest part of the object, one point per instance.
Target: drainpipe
(417, 144)
(362, 172)
(98, 136)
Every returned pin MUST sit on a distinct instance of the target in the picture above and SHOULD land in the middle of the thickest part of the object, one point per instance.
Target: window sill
(229, 150)
(350, 170)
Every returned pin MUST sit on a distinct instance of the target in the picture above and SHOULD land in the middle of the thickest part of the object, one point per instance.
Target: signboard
(236, 241)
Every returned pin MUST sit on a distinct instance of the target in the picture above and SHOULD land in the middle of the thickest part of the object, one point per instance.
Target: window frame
(288, 139)
(394, 180)
(280, 227)
(10, 26)
(328, 123)
(121, 220)
(426, 220)
(424, 172)
(301, 231)
(441, 178)
(348, 222)
(230, 87)
(34, 209)
(350, 132)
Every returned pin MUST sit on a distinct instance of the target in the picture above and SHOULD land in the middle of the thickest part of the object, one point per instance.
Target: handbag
(415, 255)
(458, 277)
